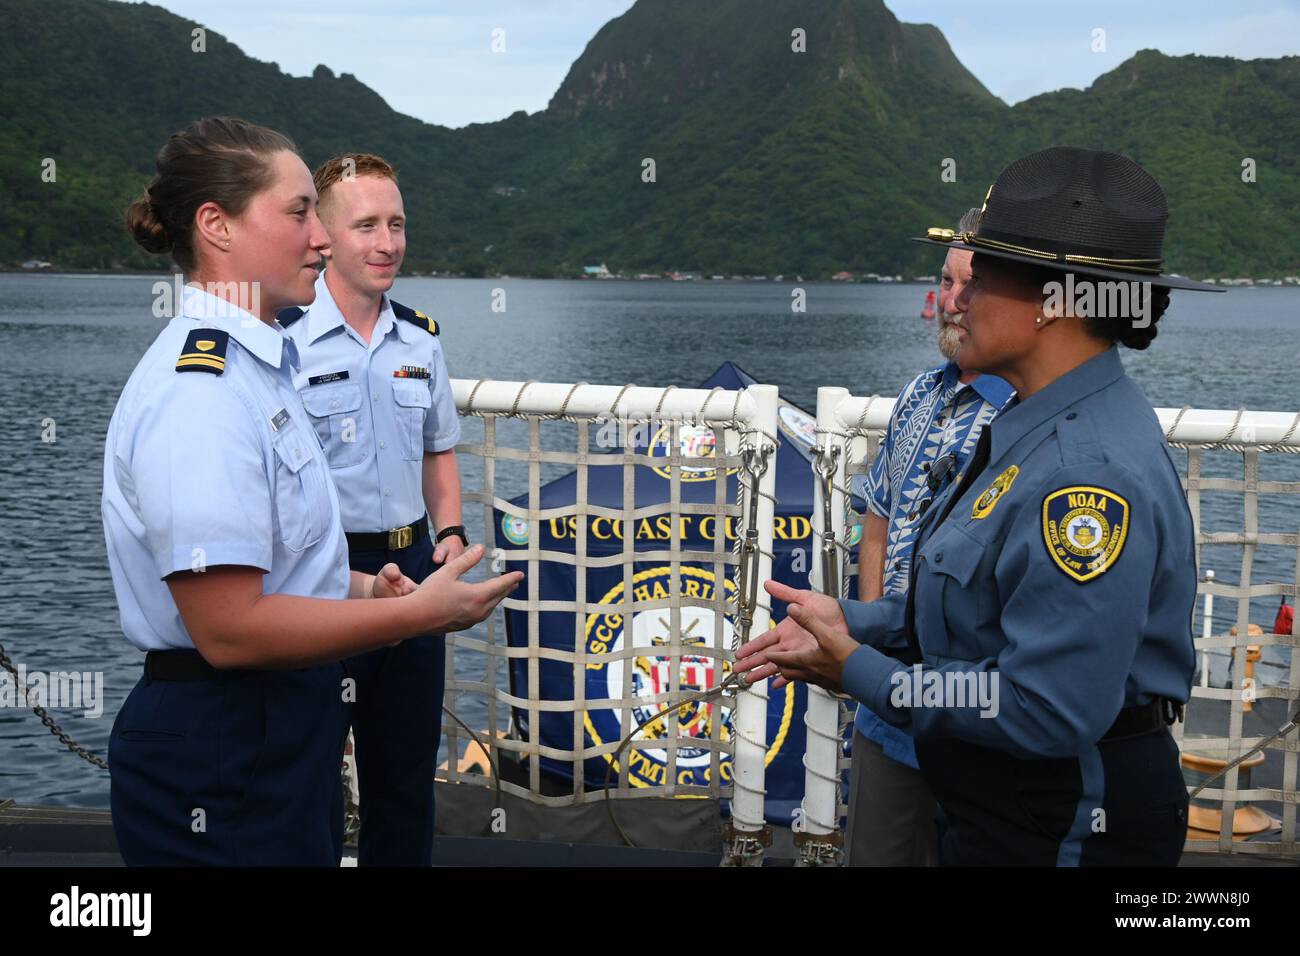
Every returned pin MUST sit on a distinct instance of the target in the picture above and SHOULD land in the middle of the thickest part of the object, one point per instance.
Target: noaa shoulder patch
(1084, 528)
(987, 501)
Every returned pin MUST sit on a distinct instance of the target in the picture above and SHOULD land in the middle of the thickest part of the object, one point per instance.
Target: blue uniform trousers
(396, 723)
(1123, 804)
(242, 769)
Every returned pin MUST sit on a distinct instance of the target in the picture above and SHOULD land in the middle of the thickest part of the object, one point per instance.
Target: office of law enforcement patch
(1084, 528)
(987, 501)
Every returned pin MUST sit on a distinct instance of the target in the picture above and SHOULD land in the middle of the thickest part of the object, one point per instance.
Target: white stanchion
(1207, 628)
(821, 717)
(751, 705)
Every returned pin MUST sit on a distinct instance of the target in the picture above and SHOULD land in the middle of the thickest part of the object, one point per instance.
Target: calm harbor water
(68, 344)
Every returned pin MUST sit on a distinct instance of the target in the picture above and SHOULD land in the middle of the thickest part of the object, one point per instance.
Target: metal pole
(1207, 628)
(819, 844)
(749, 833)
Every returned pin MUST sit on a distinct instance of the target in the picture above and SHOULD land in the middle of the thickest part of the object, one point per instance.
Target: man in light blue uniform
(211, 460)
(935, 424)
(375, 386)
(379, 407)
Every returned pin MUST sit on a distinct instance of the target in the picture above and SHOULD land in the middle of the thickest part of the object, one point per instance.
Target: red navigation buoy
(927, 311)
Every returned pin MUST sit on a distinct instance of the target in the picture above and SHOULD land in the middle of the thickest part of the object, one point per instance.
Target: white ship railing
(532, 432)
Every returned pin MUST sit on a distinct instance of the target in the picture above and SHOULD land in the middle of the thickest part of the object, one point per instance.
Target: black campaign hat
(1077, 210)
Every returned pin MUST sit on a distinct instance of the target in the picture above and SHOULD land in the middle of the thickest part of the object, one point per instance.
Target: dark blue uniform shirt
(1059, 589)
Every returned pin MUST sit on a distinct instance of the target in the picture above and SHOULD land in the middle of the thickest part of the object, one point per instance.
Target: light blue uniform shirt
(205, 469)
(935, 415)
(1066, 572)
(375, 427)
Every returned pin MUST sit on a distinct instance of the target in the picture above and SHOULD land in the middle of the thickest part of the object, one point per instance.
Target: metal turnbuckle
(819, 849)
(755, 463)
(825, 463)
(745, 847)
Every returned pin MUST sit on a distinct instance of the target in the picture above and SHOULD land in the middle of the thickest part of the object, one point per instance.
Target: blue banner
(650, 671)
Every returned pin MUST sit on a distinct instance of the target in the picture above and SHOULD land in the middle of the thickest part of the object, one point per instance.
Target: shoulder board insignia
(204, 351)
(986, 502)
(1084, 528)
(287, 317)
(414, 316)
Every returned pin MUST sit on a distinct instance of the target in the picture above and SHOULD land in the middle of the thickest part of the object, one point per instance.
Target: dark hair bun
(146, 228)
(1139, 338)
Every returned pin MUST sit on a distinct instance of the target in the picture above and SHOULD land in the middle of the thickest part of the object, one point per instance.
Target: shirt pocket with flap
(949, 593)
(302, 495)
(413, 401)
(340, 421)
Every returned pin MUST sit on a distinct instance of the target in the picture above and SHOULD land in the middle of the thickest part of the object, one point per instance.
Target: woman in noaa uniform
(222, 526)
(1047, 644)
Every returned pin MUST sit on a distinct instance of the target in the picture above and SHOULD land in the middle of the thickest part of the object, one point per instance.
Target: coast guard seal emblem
(797, 424)
(693, 441)
(651, 672)
(1084, 528)
(515, 529)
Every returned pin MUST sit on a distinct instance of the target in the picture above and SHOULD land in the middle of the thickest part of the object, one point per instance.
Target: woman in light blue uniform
(1045, 643)
(224, 540)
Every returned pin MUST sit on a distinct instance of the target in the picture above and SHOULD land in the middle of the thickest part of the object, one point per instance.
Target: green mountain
(765, 159)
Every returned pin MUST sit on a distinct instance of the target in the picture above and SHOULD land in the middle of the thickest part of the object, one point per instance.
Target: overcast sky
(433, 58)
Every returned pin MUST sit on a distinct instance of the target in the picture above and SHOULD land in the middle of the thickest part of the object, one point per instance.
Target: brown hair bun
(146, 229)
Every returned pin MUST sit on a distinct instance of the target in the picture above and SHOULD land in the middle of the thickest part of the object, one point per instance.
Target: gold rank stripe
(431, 324)
(197, 358)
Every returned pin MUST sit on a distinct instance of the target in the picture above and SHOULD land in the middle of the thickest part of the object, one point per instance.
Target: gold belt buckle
(400, 538)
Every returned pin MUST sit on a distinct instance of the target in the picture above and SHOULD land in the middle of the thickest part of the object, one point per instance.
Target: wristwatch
(458, 530)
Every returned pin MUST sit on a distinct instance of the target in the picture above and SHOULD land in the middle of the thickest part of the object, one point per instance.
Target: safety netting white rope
(1243, 486)
(636, 592)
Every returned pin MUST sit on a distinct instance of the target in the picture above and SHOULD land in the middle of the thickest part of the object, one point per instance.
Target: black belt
(398, 539)
(1144, 719)
(185, 666)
